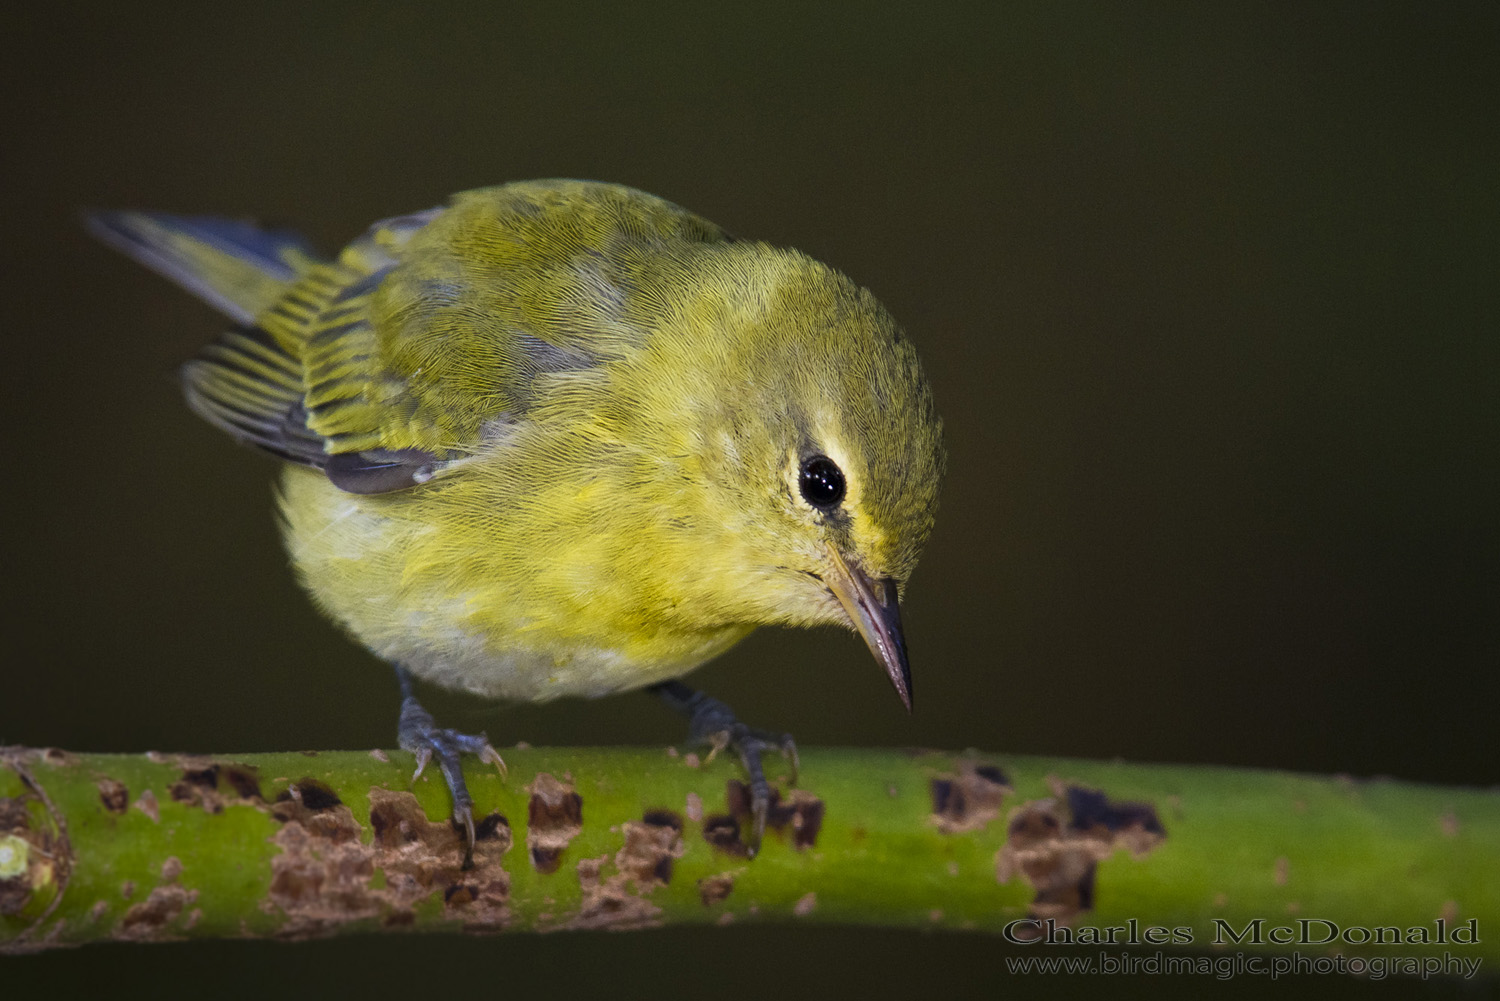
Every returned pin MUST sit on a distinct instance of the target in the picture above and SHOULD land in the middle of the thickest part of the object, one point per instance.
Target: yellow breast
(426, 580)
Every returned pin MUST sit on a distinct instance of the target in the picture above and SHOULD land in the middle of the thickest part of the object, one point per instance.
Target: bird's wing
(436, 332)
(253, 381)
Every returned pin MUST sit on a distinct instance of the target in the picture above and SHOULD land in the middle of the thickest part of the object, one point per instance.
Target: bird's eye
(821, 482)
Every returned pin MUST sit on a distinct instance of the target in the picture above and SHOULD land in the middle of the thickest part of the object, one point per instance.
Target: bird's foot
(712, 723)
(416, 732)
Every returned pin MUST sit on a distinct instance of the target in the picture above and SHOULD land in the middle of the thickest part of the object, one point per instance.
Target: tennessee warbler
(566, 438)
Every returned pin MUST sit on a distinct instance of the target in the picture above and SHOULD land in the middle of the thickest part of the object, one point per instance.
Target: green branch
(155, 847)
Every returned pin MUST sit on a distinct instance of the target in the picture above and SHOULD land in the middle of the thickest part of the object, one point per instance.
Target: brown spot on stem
(554, 816)
(14, 816)
(662, 818)
(311, 794)
(492, 828)
(618, 899)
(805, 905)
(799, 816)
(171, 869)
(723, 833)
(991, 773)
(315, 807)
(694, 807)
(212, 785)
(146, 803)
(206, 777)
(149, 919)
(198, 787)
(1448, 824)
(1133, 825)
(242, 779)
(1056, 845)
(806, 820)
(397, 821)
(1283, 870)
(325, 875)
(968, 800)
(608, 901)
(715, 889)
(650, 849)
(114, 795)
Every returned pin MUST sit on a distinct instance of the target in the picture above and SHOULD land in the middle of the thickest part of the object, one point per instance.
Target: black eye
(821, 482)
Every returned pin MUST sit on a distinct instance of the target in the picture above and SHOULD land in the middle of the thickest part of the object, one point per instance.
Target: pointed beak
(872, 607)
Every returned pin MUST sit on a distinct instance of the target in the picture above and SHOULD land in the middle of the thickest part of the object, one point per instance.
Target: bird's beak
(872, 607)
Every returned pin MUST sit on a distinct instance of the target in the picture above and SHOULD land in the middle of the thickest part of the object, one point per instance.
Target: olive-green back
(430, 331)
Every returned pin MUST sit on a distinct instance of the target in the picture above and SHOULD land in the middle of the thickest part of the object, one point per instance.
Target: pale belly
(506, 668)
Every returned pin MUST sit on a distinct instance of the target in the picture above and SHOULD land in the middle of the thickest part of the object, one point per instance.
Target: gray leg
(713, 723)
(416, 732)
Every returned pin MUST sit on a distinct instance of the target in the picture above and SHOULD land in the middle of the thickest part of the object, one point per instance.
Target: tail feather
(236, 267)
(248, 382)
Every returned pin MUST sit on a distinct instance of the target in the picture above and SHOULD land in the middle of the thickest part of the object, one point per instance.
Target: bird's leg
(713, 723)
(416, 732)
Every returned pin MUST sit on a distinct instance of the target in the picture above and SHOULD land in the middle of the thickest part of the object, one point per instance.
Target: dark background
(1207, 293)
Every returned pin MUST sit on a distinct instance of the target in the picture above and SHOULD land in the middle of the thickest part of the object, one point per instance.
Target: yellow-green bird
(566, 438)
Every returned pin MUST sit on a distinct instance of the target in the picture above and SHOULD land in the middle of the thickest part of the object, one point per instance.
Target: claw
(716, 743)
(466, 817)
(490, 756)
(424, 755)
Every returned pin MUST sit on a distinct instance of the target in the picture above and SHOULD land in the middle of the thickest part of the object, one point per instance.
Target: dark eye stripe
(821, 482)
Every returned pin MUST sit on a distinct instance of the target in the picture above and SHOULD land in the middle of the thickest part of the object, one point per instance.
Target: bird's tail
(236, 267)
(249, 381)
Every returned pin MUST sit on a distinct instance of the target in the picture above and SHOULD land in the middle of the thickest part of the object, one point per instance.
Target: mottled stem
(156, 847)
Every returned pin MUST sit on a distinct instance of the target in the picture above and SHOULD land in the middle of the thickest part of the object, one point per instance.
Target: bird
(565, 438)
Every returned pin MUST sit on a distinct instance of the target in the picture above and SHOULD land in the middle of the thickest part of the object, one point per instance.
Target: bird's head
(818, 446)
